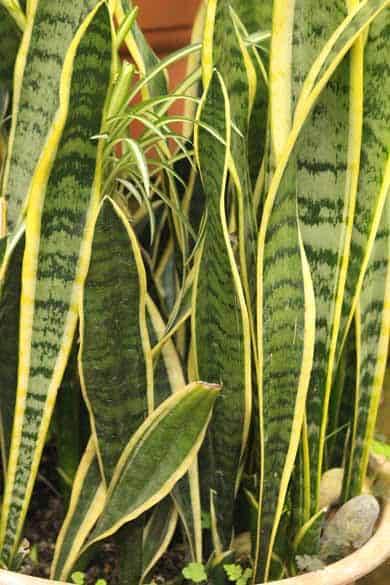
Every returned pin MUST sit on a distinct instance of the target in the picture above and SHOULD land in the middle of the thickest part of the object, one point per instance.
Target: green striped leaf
(156, 457)
(257, 16)
(225, 50)
(9, 345)
(58, 234)
(36, 92)
(374, 178)
(115, 356)
(373, 317)
(323, 202)
(86, 503)
(286, 314)
(220, 324)
(349, 31)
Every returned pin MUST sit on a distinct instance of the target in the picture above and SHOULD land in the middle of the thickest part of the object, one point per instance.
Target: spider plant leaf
(9, 343)
(115, 356)
(38, 72)
(14, 11)
(166, 360)
(171, 436)
(141, 52)
(86, 503)
(220, 329)
(373, 340)
(58, 239)
(158, 534)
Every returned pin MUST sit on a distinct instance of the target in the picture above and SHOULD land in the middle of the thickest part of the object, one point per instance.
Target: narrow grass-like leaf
(86, 503)
(220, 323)
(115, 356)
(36, 97)
(141, 52)
(374, 178)
(373, 345)
(158, 533)
(58, 239)
(15, 11)
(156, 457)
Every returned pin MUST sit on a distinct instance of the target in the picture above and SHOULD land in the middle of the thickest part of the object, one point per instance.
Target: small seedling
(195, 572)
(237, 574)
(78, 577)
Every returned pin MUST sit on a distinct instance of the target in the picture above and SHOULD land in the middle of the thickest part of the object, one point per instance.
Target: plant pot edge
(345, 572)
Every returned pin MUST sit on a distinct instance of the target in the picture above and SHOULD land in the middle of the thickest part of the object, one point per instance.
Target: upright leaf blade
(220, 323)
(9, 346)
(323, 203)
(373, 344)
(115, 356)
(58, 235)
(224, 50)
(36, 91)
(374, 178)
(286, 313)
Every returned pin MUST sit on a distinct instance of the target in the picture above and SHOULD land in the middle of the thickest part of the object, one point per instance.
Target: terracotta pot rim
(359, 564)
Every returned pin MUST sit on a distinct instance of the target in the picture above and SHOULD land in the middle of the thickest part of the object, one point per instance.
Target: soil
(46, 514)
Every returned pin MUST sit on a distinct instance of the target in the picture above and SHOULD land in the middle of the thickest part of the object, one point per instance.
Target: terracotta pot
(167, 25)
(345, 572)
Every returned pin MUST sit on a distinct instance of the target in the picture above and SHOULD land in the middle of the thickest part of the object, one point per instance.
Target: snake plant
(197, 319)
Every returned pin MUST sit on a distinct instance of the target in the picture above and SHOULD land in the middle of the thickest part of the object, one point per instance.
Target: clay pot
(167, 25)
(344, 572)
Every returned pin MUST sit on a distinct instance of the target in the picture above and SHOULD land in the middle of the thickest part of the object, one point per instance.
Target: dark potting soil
(44, 520)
